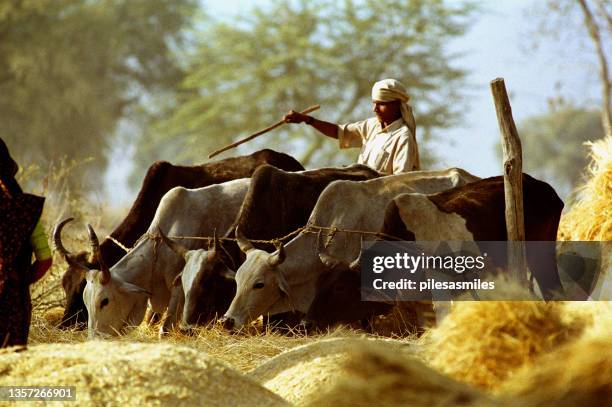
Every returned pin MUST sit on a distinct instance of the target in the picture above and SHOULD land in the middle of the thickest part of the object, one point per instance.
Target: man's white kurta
(390, 151)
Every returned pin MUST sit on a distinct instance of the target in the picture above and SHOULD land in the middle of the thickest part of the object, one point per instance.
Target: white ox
(117, 298)
(286, 279)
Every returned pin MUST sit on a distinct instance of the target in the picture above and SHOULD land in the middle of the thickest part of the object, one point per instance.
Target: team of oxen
(206, 241)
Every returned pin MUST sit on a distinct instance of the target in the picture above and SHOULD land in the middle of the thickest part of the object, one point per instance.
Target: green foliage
(70, 70)
(553, 144)
(292, 54)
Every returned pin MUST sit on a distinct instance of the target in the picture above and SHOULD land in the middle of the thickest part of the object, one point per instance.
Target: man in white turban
(387, 141)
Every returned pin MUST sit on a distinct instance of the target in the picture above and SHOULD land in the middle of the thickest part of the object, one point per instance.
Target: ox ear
(174, 246)
(105, 277)
(356, 264)
(329, 261)
(229, 274)
(284, 287)
(133, 288)
(177, 280)
(243, 243)
(277, 257)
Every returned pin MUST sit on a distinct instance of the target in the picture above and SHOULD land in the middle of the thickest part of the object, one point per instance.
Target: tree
(292, 54)
(553, 144)
(604, 73)
(588, 19)
(70, 70)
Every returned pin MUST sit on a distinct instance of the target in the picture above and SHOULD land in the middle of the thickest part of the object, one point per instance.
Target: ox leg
(152, 317)
(175, 310)
(542, 260)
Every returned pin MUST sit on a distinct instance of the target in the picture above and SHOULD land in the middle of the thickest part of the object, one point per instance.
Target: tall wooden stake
(513, 183)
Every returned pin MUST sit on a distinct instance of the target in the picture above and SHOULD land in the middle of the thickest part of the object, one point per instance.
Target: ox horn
(355, 264)
(244, 243)
(95, 248)
(174, 246)
(278, 256)
(59, 247)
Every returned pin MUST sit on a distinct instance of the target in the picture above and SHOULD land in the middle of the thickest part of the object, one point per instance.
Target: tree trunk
(606, 113)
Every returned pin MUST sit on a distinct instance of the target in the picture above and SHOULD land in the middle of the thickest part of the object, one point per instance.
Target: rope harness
(309, 228)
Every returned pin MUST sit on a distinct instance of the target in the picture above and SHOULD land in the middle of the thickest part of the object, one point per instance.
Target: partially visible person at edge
(21, 233)
(388, 141)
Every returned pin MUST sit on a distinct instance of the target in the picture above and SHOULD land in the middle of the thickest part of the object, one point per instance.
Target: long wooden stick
(513, 183)
(259, 133)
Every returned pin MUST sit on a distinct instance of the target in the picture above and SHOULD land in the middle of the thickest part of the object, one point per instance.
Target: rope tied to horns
(308, 228)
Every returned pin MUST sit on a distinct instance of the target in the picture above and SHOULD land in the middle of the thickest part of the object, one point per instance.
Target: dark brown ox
(277, 203)
(338, 297)
(476, 211)
(159, 179)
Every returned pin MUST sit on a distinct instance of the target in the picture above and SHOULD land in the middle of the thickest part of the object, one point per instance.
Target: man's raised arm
(326, 128)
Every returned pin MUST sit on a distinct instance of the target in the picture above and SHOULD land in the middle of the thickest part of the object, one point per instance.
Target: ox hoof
(163, 332)
(306, 326)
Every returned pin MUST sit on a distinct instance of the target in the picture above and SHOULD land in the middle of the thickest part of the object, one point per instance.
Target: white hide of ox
(286, 279)
(148, 270)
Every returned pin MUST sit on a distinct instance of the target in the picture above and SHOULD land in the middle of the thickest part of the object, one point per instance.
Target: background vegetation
(80, 79)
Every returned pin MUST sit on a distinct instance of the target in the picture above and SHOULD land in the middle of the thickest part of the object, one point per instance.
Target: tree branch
(604, 13)
(603, 66)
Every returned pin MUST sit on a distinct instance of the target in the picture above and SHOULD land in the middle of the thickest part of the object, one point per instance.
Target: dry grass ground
(497, 353)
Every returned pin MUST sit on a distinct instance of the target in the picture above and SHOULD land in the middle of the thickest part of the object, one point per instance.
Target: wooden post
(513, 183)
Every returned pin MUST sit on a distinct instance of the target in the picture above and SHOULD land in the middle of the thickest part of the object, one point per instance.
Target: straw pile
(243, 352)
(303, 372)
(578, 374)
(591, 217)
(377, 375)
(119, 373)
(568, 363)
(482, 343)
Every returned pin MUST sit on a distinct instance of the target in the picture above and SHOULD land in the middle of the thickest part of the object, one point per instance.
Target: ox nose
(227, 322)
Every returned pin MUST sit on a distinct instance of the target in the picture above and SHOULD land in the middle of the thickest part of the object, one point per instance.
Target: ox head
(259, 284)
(73, 280)
(207, 280)
(112, 303)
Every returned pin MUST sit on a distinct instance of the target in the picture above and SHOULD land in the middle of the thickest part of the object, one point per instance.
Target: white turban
(389, 90)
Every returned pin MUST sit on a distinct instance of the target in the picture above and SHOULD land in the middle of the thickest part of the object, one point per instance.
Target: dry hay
(595, 317)
(241, 351)
(116, 373)
(53, 316)
(376, 374)
(577, 374)
(482, 343)
(405, 319)
(591, 217)
(301, 373)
